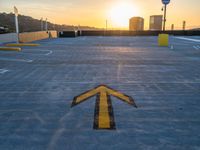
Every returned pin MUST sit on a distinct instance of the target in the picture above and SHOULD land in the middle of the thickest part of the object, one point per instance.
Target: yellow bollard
(163, 39)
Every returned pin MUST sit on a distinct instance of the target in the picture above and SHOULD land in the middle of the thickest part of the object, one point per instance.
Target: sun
(121, 13)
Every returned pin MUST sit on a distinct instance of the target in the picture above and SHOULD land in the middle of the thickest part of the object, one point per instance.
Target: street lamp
(165, 2)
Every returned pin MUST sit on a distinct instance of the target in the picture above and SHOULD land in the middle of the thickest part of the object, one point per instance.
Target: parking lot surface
(38, 86)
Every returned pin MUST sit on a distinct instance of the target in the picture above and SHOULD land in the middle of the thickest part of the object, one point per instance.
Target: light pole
(184, 25)
(46, 25)
(41, 24)
(164, 22)
(172, 27)
(16, 23)
(106, 25)
(165, 2)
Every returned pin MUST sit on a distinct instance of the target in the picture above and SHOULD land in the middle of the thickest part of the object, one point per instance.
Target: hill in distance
(29, 24)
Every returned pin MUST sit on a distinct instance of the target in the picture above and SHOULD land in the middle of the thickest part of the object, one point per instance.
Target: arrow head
(102, 88)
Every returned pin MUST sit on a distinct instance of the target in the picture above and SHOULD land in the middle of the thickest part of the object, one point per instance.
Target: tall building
(136, 24)
(156, 22)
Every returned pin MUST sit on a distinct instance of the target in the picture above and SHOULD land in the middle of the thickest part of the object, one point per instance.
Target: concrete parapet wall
(27, 36)
(34, 36)
(8, 37)
(127, 33)
(138, 33)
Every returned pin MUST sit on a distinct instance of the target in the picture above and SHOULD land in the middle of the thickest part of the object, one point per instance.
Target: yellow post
(163, 39)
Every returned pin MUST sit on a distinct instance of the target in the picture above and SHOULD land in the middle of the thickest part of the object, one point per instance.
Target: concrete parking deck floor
(38, 84)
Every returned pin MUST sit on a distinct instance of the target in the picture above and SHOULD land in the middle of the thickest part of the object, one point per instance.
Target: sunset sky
(95, 13)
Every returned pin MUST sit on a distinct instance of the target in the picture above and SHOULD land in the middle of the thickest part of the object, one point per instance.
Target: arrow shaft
(104, 117)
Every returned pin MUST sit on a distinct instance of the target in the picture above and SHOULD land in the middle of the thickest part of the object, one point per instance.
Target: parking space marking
(104, 115)
(2, 71)
(172, 47)
(30, 52)
(18, 60)
(50, 52)
(187, 39)
(196, 47)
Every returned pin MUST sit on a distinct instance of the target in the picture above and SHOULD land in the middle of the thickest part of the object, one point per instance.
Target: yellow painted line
(22, 44)
(10, 48)
(104, 119)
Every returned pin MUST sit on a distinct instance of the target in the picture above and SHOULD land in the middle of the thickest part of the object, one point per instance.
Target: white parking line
(187, 39)
(19, 60)
(50, 52)
(2, 71)
(181, 44)
(195, 47)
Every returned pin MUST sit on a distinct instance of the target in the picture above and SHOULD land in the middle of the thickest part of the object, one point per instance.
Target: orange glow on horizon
(120, 14)
(116, 12)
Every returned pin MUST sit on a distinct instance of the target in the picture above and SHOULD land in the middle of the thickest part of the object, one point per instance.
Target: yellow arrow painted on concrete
(103, 117)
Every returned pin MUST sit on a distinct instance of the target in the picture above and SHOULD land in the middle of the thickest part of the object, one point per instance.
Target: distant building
(136, 24)
(155, 22)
